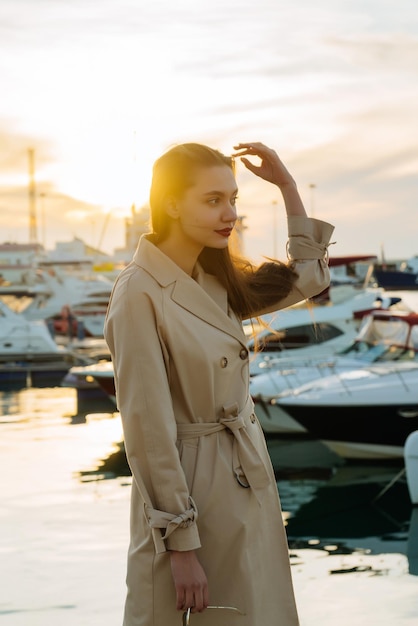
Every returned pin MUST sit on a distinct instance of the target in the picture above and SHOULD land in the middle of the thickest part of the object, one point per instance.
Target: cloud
(332, 85)
(365, 181)
(386, 52)
(59, 23)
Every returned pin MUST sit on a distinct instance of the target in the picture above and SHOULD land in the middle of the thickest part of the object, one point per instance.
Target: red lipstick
(225, 232)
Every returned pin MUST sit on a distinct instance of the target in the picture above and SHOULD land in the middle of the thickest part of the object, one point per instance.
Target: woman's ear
(171, 207)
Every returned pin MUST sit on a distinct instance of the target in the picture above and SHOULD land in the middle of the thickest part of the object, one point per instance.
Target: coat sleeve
(307, 248)
(134, 331)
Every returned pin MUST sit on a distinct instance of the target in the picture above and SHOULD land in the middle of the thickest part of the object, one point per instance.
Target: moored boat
(94, 385)
(384, 336)
(28, 354)
(364, 413)
(64, 299)
(393, 278)
(314, 331)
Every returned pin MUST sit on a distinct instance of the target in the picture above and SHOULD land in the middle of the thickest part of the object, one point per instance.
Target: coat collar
(201, 294)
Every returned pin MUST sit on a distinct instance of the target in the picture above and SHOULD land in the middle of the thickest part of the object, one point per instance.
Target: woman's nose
(230, 213)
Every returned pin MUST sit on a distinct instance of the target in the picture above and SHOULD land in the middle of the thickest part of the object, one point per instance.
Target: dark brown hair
(250, 288)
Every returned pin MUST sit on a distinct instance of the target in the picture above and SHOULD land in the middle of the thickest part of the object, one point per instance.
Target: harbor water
(64, 508)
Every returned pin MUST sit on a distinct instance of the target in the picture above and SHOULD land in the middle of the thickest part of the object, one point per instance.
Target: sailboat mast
(33, 235)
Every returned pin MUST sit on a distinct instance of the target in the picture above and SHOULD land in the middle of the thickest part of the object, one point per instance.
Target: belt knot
(231, 418)
(248, 466)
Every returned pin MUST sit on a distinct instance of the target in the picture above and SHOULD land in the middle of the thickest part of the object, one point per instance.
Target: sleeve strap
(161, 520)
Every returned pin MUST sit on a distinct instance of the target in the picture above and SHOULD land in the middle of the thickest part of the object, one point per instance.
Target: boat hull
(15, 376)
(359, 431)
(395, 280)
(275, 421)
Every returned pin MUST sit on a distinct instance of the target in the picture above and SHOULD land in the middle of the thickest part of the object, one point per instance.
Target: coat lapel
(202, 295)
(193, 297)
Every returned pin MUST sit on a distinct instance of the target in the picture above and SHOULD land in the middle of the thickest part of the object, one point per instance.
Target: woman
(206, 524)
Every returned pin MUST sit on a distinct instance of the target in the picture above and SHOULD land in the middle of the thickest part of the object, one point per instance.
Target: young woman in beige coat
(206, 523)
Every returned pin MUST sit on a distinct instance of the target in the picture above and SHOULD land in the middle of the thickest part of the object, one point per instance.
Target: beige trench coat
(202, 477)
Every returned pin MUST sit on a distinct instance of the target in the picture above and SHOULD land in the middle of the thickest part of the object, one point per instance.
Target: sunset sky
(100, 88)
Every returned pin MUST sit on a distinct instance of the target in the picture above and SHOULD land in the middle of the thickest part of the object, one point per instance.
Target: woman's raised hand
(273, 171)
(271, 167)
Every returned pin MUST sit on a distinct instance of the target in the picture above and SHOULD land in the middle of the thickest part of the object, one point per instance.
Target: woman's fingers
(271, 167)
(254, 148)
(253, 168)
(196, 600)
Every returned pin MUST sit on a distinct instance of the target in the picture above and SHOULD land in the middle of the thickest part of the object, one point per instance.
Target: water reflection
(9, 405)
(342, 510)
(349, 501)
(111, 466)
(291, 458)
(334, 507)
(361, 508)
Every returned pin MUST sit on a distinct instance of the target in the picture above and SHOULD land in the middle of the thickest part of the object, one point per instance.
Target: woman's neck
(182, 256)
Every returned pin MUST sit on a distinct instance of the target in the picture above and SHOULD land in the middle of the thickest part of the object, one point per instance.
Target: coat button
(224, 361)
(252, 418)
(243, 354)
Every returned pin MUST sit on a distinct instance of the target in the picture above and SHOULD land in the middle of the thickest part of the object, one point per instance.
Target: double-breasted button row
(243, 354)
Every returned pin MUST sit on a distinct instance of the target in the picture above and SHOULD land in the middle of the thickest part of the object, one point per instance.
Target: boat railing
(294, 381)
(400, 370)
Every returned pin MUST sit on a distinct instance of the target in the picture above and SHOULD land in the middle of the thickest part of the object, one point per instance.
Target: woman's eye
(217, 200)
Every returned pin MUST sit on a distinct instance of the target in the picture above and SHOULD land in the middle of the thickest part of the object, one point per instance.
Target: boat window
(299, 337)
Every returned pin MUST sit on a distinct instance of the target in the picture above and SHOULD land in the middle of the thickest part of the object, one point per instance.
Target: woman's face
(206, 212)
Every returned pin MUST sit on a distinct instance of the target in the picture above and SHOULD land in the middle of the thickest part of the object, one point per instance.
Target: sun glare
(109, 178)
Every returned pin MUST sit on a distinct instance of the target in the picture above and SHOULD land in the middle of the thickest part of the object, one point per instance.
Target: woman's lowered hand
(190, 581)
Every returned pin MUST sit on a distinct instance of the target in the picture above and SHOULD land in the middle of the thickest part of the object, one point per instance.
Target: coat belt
(247, 464)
